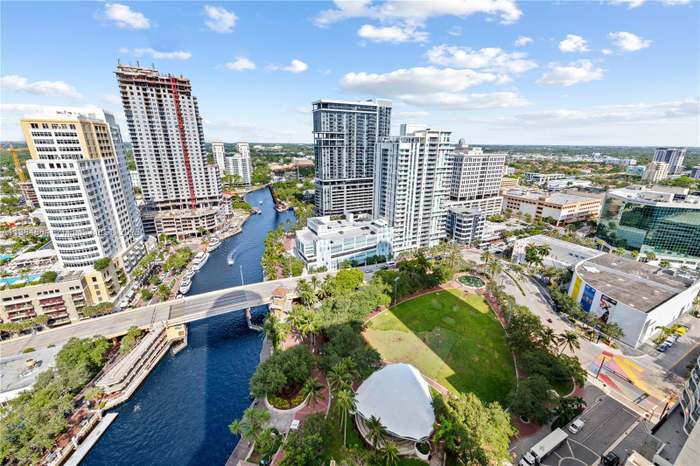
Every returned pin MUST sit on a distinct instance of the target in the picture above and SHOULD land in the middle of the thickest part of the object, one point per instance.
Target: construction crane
(18, 166)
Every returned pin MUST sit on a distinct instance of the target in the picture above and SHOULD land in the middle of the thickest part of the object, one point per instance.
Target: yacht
(213, 244)
(185, 286)
(199, 260)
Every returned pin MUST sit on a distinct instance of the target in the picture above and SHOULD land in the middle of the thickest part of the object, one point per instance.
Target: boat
(213, 244)
(185, 286)
(256, 210)
(199, 260)
(260, 202)
(231, 258)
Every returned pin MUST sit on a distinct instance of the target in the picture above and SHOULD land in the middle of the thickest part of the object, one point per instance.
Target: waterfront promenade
(176, 311)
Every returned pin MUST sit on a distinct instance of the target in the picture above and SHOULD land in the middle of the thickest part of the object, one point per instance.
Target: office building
(238, 164)
(79, 171)
(346, 134)
(328, 243)
(640, 298)
(412, 185)
(464, 225)
(538, 178)
(476, 176)
(672, 156)
(560, 208)
(660, 219)
(655, 171)
(217, 149)
(635, 170)
(181, 191)
(695, 172)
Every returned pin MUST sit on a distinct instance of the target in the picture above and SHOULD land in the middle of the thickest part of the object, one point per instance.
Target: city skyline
(487, 73)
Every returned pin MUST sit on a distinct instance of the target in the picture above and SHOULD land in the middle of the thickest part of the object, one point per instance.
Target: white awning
(400, 397)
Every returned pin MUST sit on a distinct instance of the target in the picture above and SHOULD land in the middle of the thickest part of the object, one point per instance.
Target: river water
(181, 412)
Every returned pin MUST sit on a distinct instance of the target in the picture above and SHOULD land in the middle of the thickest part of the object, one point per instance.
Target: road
(182, 310)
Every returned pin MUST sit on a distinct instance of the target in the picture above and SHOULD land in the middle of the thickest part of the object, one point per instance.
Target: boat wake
(231, 258)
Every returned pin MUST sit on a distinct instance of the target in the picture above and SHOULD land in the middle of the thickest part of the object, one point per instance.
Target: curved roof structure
(400, 397)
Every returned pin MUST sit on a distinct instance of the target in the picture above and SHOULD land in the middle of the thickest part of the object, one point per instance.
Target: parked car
(663, 347)
(611, 459)
(576, 426)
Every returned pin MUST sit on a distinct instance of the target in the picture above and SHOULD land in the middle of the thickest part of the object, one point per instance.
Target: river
(181, 412)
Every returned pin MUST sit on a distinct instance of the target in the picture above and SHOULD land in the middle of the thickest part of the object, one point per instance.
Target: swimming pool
(13, 280)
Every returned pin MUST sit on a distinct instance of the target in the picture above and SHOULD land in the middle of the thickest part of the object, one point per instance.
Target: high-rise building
(181, 190)
(662, 219)
(476, 179)
(218, 149)
(672, 156)
(656, 171)
(346, 134)
(238, 163)
(80, 175)
(412, 185)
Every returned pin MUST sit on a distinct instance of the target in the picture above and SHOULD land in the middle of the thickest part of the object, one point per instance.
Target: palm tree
(389, 454)
(251, 424)
(547, 336)
(315, 283)
(375, 430)
(568, 340)
(345, 399)
(494, 268)
(340, 376)
(486, 256)
(313, 389)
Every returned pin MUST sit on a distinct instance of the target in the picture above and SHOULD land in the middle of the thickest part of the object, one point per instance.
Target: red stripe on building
(183, 142)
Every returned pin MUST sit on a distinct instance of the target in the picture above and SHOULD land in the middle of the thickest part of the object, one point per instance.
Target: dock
(84, 448)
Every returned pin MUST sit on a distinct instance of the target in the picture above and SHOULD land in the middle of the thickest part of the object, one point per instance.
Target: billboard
(576, 288)
(607, 304)
(587, 297)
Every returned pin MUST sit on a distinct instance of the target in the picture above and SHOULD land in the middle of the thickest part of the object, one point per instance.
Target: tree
(275, 330)
(340, 377)
(567, 410)
(284, 373)
(651, 256)
(304, 447)
(345, 400)
(568, 340)
(375, 430)
(102, 264)
(306, 293)
(129, 340)
(251, 425)
(389, 454)
(619, 251)
(163, 291)
(532, 399)
(476, 433)
(664, 264)
(313, 389)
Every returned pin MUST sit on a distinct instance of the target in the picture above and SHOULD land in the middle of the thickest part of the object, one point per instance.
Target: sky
(609, 72)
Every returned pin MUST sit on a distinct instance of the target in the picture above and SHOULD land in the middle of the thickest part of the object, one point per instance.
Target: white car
(576, 426)
(295, 425)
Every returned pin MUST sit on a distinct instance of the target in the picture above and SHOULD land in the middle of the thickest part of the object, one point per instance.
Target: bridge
(184, 310)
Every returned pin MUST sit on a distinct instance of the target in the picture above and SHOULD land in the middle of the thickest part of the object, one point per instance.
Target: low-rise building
(101, 286)
(640, 298)
(562, 254)
(508, 183)
(328, 243)
(538, 178)
(563, 209)
(61, 300)
(464, 225)
(655, 172)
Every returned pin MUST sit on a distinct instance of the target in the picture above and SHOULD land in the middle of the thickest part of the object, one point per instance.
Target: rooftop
(639, 285)
(552, 198)
(661, 196)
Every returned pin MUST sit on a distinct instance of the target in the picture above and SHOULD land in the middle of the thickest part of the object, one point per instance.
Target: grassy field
(451, 337)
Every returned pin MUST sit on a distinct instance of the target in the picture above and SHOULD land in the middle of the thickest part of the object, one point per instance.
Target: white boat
(185, 286)
(231, 258)
(213, 244)
(199, 260)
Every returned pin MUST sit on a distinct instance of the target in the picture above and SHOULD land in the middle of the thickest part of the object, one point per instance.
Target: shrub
(283, 373)
(102, 264)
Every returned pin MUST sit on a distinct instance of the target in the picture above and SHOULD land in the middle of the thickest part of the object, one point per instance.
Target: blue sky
(588, 72)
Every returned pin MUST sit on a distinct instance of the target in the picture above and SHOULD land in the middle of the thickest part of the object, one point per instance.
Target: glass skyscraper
(652, 220)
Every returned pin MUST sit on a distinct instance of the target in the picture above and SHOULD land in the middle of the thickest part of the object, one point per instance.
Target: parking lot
(606, 421)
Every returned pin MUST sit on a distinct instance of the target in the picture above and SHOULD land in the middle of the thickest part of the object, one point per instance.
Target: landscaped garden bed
(471, 281)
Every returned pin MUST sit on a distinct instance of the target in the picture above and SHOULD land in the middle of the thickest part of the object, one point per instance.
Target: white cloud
(432, 87)
(240, 64)
(629, 3)
(158, 55)
(675, 2)
(410, 114)
(573, 43)
(393, 34)
(220, 19)
(522, 41)
(124, 17)
(490, 59)
(607, 52)
(455, 31)
(112, 99)
(579, 71)
(416, 12)
(13, 82)
(296, 66)
(628, 42)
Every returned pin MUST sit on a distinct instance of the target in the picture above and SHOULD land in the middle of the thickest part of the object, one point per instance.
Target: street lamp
(605, 354)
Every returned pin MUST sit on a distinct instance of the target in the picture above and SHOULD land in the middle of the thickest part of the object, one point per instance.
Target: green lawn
(451, 337)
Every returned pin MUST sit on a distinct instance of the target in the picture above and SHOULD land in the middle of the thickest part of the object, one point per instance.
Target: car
(611, 459)
(576, 426)
(662, 348)
(681, 330)
(124, 303)
(294, 425)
